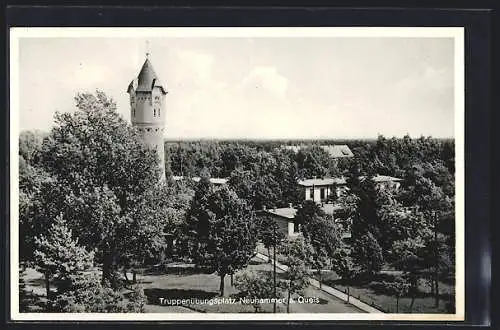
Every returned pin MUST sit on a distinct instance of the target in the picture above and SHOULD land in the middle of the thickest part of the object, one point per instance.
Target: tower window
(159, 112)
(154, 113)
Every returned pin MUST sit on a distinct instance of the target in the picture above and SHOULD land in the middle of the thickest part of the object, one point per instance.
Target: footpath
(325, 288)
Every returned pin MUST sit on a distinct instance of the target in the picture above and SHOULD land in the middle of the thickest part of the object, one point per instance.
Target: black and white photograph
(237, 173)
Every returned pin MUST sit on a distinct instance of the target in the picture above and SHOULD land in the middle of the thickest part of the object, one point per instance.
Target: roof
(290, 212)
(338, 151)
(293, 148)
(330, 208)
(322, 182)
(197, 179)
(386, 178)
(146, 80)
(285, 212)
(343, 181)
(335, 151)
(212, 180)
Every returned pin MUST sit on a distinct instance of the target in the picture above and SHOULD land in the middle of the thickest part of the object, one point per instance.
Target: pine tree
(87, 295)
(58, 255)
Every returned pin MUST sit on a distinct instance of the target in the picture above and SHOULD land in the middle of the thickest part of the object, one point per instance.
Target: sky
(253, 87)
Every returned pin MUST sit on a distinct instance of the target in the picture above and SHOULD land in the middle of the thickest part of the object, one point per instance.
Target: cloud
(198, 66)
(430, 80)
(268, 78)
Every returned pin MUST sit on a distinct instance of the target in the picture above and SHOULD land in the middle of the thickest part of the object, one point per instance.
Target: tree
(347, 202)
(267, 192)
(178, 203)
(307, 212)
(58, 254)
(222, 231)
(410, 258)
(365, 228)
(270, 234)
(256, 286)
(437, 254)
(324, 238)
(86, 294)
(298, 254)
(320, 231)
(396, 222)
(398, 288)
(367, 253)
(437, 208)
(150, 218)
(343, 265)
(259, 190)
(104, 173)
(30, 143)
(196, 229)
(35, 212)
(365, 218)
(286, 174)
(313, 161)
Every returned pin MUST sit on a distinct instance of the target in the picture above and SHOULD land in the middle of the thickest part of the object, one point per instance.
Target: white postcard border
(457, 33)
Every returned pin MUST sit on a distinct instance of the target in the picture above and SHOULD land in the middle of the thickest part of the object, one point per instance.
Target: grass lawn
(184, 282)
(174, 283)
(187, 284)
(370, 294)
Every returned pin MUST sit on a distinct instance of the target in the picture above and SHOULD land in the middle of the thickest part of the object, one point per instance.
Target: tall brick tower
(147, 109)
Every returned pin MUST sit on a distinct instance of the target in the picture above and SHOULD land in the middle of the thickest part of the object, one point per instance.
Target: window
(322, 193)
(159, 112)
(311, 193)
(133, 111)
(154, 114)
(296, 227)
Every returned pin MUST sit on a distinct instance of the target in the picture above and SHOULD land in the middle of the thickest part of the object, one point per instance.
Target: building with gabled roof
(285, 217)
(321, 189)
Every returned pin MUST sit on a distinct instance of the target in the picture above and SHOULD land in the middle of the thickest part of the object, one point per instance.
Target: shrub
(87, 295)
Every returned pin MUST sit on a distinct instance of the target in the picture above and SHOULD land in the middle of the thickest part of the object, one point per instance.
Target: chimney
(263, 207)
(290, 205)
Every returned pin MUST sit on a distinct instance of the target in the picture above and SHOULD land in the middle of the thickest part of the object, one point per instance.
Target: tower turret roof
(147, 79)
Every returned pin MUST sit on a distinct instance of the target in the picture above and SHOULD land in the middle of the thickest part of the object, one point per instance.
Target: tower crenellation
(147, 109)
